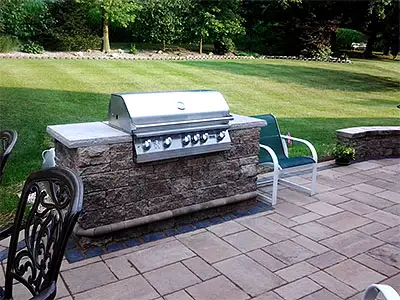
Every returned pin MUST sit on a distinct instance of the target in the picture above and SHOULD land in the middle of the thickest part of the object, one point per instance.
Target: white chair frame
(279, 171)
(374, 289)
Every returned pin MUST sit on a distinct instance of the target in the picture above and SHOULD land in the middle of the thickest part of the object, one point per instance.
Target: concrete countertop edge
(239, 122)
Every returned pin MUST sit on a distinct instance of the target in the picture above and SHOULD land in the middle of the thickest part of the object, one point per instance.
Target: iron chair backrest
(8, 138)
(270, 135)
(58, 194)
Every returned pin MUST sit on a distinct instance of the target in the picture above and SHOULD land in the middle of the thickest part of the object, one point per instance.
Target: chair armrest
(374, 289)
(272, 154)
(6, 232)
(48, 293)
(305, 142)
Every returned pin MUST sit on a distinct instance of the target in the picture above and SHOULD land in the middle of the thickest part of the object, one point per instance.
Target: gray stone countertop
(87, 134)
(242, 122)
(99, 133)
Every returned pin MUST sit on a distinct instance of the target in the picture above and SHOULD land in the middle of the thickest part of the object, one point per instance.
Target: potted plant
(343, 154)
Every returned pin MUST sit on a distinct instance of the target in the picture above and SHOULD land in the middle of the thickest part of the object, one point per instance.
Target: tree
(162, 20)
(218, 20)
(376, 16)
(24, 19)
(119, 12)
(72, 29)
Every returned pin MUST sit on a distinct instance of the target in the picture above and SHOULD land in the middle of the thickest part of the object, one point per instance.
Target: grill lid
(149, 112)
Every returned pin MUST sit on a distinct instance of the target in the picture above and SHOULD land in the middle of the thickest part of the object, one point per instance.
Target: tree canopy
(282, 27)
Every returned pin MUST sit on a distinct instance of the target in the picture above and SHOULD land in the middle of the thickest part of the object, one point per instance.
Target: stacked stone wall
(373, 143)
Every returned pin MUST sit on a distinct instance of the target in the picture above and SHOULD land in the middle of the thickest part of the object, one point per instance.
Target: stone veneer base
(118, 190)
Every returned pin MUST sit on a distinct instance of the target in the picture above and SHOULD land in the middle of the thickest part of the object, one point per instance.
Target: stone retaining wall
(372, 142)
(117, 189)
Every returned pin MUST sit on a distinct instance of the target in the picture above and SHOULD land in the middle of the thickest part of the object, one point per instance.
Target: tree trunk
(370, 43)
(106, 38)
(201, 46)
(164, 46)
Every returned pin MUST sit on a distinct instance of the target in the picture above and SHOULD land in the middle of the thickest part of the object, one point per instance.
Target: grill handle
(176, 131)
(187, 122)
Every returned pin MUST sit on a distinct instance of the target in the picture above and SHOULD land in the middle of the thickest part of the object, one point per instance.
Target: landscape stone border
(124, 56)
(373, 141)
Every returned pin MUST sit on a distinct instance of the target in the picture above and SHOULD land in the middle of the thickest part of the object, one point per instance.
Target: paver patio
(327, 247)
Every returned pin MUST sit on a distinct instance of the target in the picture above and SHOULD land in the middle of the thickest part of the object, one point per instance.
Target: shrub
(343, 153)
(72, 30)
(65, 42)
(8, 44)
(223, 46)
(345, 37)
(132, 49)
(244, 53)
(32, 47)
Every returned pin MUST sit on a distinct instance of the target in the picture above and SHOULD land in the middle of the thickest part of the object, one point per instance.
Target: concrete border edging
(82, 56)
(106, 229)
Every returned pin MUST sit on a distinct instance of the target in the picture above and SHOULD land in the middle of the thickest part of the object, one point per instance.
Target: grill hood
(146, 112)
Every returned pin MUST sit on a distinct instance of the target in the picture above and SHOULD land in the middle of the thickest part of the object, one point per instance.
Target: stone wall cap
(87, 134)
(368, 130)
(243, 122)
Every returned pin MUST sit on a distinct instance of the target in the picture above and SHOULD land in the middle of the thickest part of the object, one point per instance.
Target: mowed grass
(310, 99)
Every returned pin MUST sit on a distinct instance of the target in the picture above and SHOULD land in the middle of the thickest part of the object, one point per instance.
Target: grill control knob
(186, 140)
(195, 138)
(147, 145)
(204, 137)
(221, 136)
(167, 142)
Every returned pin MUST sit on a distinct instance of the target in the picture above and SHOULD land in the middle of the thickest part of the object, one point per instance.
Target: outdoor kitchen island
(122, 194)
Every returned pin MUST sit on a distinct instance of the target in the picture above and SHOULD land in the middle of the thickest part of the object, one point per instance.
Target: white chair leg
(314, 180)
(275, 187)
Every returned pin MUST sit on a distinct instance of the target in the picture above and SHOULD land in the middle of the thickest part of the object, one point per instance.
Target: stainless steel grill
(172, 124)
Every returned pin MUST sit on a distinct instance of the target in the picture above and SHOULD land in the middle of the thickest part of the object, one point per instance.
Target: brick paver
(352, 243)
(246, 241)
(354, 274)
(296, 271)
(210, 247)
(249, 275)
(131, 288)
(226, 228)
(199, 267)
(171, 278)
(289, 252)
(298, 289)
(216, 289)
(88, 277)
(326, 259)
(160, 255)
(344, 221)
(315, 231)
(327, 247)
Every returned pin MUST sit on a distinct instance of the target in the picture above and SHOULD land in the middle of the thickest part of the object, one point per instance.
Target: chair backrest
(8, 138)
(270, 136)
(58, 194)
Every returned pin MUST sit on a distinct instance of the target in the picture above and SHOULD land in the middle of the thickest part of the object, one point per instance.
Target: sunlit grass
(310, 99)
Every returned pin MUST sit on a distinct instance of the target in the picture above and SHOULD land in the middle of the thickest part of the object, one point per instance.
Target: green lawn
(310, 99)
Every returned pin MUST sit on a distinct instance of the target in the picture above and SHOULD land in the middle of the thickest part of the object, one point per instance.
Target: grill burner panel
(172, 124)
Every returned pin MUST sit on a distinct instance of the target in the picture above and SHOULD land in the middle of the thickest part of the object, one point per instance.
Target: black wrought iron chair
(8, 138)
(58, 194)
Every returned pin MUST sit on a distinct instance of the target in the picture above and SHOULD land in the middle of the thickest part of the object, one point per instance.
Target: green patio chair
(274, 152)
